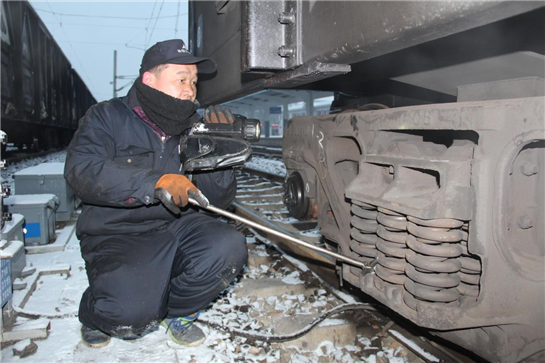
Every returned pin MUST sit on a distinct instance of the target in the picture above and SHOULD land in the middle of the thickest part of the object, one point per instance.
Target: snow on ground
(7, 173)
(58, 295)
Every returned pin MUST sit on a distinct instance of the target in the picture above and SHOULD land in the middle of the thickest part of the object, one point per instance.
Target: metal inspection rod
(282, 235)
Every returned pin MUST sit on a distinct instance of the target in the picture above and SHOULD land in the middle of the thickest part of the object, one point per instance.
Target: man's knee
(127, 319)
(232, 250)
(224, 258)
(221, 256)
(241, 251)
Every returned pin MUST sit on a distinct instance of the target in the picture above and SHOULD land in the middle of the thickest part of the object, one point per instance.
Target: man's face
(176, 80)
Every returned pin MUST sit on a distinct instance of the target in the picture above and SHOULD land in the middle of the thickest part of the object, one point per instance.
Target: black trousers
(136, 280)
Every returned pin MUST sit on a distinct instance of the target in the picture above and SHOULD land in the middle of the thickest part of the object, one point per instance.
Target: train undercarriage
(430, 165)
(446, 200)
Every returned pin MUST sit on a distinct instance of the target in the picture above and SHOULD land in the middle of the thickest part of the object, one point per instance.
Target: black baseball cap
(174, 51)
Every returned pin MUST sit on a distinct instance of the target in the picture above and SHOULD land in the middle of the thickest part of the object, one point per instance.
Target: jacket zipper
(162, 147)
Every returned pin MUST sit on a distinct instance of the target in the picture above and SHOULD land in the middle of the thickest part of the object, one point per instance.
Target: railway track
(266, 315)
(269, 152)
(260, 199)
(15, 156)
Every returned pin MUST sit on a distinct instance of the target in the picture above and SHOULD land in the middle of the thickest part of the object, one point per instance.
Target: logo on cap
(183, 49)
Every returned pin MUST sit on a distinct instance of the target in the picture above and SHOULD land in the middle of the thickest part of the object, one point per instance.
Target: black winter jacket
(113, 163)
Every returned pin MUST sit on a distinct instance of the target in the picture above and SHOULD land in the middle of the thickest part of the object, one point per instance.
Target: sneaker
(182, 330)
(94, 338)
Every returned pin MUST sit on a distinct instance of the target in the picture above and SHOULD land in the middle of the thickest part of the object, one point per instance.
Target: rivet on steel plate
(286, 18)
(286, 51)
(529, 169)
(525, 222)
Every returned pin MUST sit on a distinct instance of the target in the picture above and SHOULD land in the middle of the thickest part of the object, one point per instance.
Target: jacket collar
(131, 101)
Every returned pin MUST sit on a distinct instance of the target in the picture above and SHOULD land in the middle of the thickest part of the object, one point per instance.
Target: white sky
(89, 31)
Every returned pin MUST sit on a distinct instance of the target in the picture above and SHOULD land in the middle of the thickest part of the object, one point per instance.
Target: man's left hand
(218, 115)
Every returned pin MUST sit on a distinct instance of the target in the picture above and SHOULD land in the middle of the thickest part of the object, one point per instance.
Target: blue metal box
(39, 213)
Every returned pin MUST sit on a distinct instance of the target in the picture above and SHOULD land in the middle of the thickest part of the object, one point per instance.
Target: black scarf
(171, 114)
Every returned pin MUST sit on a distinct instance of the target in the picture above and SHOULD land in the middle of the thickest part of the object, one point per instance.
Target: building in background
(275, 107)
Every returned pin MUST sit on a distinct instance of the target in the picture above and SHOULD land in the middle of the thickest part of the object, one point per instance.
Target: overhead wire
(148, 30)
(102, 16)
(133, 38)
(149, 22)
(156, 20)
(111, 26)
(176, 24)
(71, 46)
(149, 19)
(101, 43)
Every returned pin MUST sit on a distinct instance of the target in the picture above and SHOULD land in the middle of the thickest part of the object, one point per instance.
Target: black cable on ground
(292, 336)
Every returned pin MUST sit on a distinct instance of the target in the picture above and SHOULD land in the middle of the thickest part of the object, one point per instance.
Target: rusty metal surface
(449, 200)
(260, 44)
(262, 208)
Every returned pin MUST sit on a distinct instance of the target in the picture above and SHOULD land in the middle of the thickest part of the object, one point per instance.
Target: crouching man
(144, 263)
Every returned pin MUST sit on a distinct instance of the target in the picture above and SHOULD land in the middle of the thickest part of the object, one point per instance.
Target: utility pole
(115, 73)
(116, 77)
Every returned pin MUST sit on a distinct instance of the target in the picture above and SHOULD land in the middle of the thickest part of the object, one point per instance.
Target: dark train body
(432, 161)
(43, 97)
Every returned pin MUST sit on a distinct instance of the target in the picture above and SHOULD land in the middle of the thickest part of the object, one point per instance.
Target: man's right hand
(218, 115)
(174, 191)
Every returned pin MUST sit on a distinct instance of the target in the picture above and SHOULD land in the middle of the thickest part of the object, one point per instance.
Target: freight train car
(430, 167)
(42, 96)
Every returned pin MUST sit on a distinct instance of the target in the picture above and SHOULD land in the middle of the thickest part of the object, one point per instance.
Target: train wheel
(299, 206)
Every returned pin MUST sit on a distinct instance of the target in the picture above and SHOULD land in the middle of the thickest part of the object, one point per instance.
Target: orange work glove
(217, 115)
(174, 191)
